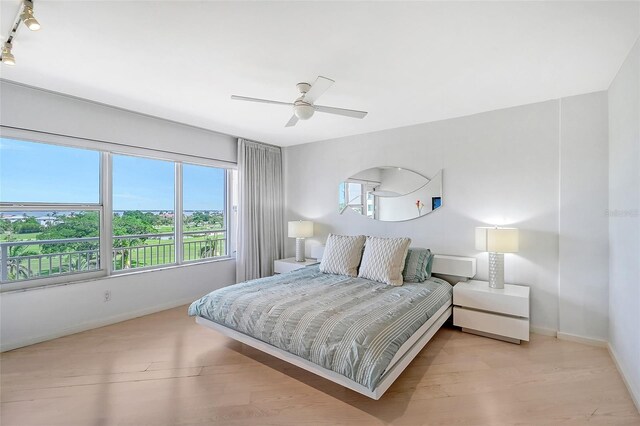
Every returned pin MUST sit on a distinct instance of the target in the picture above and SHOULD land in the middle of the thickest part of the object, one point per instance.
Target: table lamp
(497, 241)
(300, 229)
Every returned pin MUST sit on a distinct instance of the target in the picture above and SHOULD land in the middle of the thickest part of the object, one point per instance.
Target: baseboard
(89, 325)
(635, 395)
(544, 331)
(582, 339)
(569, 337)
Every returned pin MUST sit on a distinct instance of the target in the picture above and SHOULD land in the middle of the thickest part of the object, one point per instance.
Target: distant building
(48, 220)
(11, 217)
(42, 220)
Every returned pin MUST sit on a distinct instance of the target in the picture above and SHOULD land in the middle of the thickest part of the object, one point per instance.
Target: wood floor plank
(163, 369)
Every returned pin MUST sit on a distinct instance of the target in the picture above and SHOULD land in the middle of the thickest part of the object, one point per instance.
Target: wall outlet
(107, 295)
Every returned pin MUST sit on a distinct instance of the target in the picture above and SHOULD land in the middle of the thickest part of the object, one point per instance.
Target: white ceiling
(405, 63)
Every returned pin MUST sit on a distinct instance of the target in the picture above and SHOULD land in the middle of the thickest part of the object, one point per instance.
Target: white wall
(624, 220)
(500, 167)
(584, 272)
(35, 315)
(34, 109)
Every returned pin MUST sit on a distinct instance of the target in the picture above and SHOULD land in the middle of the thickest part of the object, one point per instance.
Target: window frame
(105, 205)
(227, 211)
(57, 279)
(176, 197)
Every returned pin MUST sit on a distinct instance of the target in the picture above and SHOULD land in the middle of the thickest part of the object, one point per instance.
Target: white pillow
(342, 254)
(383, 259)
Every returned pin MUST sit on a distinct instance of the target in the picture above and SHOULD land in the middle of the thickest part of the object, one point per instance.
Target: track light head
(7, 56)
(27, 16)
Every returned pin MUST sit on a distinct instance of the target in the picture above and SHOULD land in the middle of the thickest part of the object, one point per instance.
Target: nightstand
(497, 313)
(289, 264)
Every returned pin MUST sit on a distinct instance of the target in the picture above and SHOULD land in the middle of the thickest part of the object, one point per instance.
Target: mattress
(352, 326)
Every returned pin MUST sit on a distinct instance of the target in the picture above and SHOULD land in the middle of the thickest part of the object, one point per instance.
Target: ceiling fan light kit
(303, 110)
(25, 16)
(304, 107)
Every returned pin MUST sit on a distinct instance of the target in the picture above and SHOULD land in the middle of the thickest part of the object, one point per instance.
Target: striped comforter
(352, 326)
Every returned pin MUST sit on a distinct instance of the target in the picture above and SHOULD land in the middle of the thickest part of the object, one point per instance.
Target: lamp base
(300, 250)
(496, 270)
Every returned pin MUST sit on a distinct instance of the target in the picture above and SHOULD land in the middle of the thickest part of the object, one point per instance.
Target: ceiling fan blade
(321, 85)
(340, 111)
(264, 101)
(292, 121)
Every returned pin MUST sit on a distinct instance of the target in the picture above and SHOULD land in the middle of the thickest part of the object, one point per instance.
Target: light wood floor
(164, 369)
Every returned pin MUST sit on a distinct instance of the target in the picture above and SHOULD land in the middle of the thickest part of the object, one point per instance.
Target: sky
(35, 172)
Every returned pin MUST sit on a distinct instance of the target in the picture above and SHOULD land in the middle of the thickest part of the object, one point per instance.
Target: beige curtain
(260, 210)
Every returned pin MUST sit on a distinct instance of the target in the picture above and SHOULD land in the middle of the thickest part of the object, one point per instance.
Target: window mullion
(106, 199)
(178, 216)
(9, 207)
(227, 213)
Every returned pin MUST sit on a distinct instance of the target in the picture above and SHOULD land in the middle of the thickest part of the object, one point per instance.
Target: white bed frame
(452, 267)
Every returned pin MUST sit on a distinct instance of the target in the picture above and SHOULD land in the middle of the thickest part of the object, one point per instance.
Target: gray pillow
(417, 267)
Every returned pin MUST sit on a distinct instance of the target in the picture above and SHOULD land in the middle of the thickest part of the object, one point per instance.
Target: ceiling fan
(304, 106)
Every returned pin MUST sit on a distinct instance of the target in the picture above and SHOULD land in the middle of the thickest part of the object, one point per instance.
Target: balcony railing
(129, 252)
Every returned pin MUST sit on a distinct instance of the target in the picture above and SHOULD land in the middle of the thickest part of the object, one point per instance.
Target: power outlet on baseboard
(107, 295)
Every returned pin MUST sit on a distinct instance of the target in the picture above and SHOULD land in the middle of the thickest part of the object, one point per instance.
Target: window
(204, 212)
(143, 212)
(54, 200)
(51, 211)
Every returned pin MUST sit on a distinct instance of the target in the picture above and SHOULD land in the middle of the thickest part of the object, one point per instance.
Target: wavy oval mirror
(391, 194)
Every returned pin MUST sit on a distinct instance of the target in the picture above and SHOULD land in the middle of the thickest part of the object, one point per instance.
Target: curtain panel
(260, 210)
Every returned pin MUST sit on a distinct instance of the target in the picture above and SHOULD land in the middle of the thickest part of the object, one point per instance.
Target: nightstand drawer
(515, 328)
(512, 300)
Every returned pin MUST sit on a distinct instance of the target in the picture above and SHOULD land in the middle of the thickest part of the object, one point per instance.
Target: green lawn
(19, 237)
(160, 252)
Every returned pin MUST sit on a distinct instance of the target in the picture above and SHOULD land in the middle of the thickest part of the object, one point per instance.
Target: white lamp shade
(300, 229)
(497, 240)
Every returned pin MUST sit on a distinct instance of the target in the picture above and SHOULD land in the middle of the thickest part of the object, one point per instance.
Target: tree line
(87, 224)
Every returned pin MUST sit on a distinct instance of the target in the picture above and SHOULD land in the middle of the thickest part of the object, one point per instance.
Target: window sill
(117, 274)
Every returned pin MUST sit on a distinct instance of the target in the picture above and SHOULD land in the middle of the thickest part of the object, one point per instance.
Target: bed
(358, 333)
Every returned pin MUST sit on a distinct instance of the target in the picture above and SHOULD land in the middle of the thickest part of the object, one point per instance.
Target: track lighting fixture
(7, 56)
(27, 16)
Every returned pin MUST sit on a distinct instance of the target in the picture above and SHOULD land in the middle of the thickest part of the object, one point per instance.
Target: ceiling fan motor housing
(303, 87)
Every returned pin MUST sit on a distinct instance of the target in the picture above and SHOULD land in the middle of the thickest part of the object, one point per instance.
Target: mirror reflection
(390, 194)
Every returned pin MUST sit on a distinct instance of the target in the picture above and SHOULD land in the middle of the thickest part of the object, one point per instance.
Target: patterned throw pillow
(417, 267)
(342, 254)
(383, 259)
